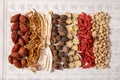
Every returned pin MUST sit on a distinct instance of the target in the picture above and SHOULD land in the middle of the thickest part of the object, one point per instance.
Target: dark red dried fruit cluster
(86, 40)
(20, 37)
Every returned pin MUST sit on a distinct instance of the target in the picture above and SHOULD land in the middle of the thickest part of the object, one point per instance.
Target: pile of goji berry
(86, 40)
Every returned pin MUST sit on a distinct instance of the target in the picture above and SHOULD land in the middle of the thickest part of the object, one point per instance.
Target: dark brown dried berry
(55, 16)
(64, 38)
(15, 26)
(15, 18)
(63, 59)
(54, 34)
(61, 28)
(58, 47)
(55, 52)
(55, 66)
(61, 43)
(58, 38)
(14, 37)
(54, 22)
(54, 28)
(61, 54)
(62, 33)
(64, 17)
(65, 65)
(56, 58)
(53, 47)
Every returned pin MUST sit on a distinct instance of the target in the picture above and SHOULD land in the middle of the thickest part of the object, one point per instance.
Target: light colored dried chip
(76, 57)
(78, 63)
(69, 43)
(76, 41)
(69, 21)
(71, 65)
(71, 53)
(75, 47)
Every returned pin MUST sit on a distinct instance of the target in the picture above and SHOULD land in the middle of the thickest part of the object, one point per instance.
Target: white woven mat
(10, 7)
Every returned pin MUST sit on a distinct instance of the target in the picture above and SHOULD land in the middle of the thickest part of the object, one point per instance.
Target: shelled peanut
(100, 32)
(72, 43)
(20, 37)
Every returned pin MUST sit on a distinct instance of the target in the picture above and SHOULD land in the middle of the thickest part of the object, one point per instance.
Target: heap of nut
(77, 40)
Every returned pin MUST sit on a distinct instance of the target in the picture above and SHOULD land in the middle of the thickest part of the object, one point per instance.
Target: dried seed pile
(76, 40)
(100, 32)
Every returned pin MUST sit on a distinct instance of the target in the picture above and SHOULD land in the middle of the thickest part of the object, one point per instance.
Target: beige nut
(69, 21)
(70, 58)
(69, 43)
(71, 53)
(75, 47)
(77, 63)
(71, 65)
(76, 41)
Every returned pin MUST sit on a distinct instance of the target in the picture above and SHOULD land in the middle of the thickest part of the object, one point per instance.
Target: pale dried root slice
(100, 33)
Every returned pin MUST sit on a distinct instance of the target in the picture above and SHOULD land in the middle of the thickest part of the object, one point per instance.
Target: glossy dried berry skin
(23, 51)
(17, 63)
(20, 33)
(15, 18)
(15, 48)
(10, 59)
(21, 42)
(23, 27)
(15, 26)
(23, 62)
(16, 55)
(14, 37)
(23, 19)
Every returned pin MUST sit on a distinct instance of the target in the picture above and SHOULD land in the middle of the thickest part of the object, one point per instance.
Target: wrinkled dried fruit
(23, 27)
(15, 26)
(14, 37)
(23, 19)
(23, 51)
(17, 63)
(15, 48)
(21, 41)
(23, 62)
(20, 33)
(16, 55)
(26, 37)
(15, 18)
(55, 16)
(10, 59)
(64, 17)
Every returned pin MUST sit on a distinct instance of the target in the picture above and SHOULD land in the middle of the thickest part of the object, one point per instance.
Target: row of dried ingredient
(77, 40)
(86, 42)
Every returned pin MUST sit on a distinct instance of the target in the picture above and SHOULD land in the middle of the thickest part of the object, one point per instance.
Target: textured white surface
(11, 7)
